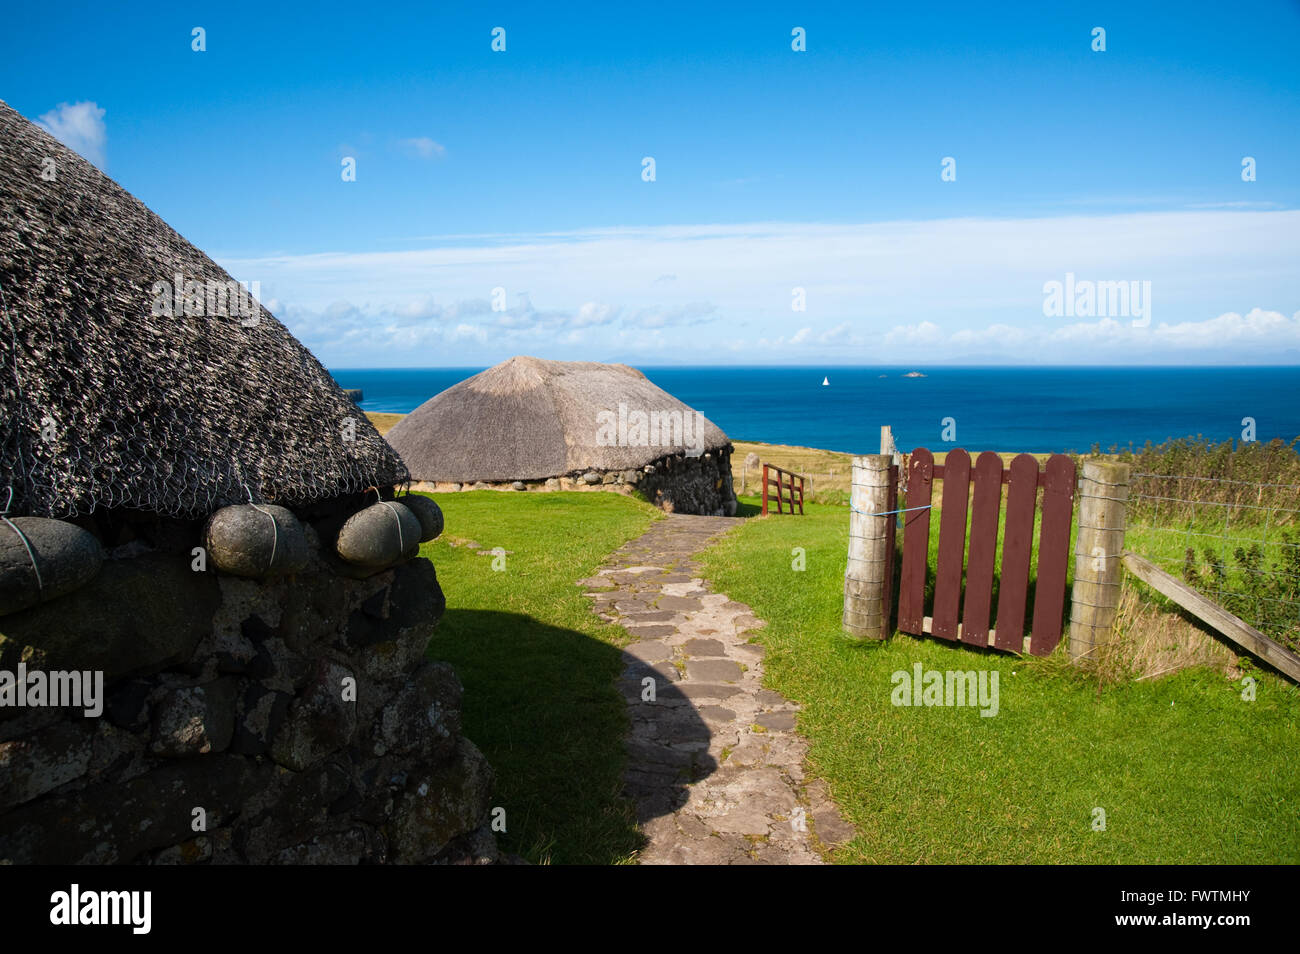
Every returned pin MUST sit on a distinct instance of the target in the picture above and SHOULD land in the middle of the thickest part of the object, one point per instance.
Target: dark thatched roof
(529, 419)
(105, 404)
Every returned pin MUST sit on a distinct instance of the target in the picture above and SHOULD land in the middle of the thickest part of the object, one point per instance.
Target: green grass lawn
(1185, 769)
(537, 666)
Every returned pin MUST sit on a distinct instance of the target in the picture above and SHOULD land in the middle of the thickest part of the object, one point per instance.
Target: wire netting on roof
(109, 401)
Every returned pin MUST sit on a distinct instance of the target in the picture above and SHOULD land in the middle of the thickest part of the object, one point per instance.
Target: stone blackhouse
(213, 614)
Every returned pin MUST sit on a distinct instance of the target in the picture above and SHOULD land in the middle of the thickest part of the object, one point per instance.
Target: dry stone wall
(678, 483)
(283, 719)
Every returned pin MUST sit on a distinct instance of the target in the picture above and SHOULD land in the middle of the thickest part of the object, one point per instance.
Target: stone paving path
(715, 766)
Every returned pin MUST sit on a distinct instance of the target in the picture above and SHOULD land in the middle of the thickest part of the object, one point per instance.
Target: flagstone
(711, 783)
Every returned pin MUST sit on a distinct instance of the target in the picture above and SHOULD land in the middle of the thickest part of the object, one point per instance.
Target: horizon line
(1012, 366)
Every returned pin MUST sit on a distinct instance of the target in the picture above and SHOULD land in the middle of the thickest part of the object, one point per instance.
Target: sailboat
(826, 382)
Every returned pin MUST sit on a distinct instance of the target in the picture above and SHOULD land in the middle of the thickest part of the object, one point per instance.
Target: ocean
(1040, 410)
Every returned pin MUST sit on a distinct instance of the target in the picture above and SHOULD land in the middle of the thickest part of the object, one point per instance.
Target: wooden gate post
(1099, 548)
(865, 579)
(887, 445)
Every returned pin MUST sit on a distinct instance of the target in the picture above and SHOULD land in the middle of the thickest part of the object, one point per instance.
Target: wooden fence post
(865, 582)
(751, 460)
(887, 445)
(1099, 549)
(765, 490)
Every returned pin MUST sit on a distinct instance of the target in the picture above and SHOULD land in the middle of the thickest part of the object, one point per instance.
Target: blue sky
(775, 170)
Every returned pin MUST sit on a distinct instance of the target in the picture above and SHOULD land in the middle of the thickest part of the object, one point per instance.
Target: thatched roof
(529, 419)
(107, 404)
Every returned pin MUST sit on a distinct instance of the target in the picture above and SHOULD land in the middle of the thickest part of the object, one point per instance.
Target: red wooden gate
(781, 488)
(973, 624)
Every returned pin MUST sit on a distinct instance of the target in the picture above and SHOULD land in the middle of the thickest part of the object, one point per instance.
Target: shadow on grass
(543, 703)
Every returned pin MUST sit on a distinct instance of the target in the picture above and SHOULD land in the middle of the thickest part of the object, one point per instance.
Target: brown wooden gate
(971, 620)
(796, 491)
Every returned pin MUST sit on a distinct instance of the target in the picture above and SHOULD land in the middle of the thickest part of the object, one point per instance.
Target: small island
(914, 374)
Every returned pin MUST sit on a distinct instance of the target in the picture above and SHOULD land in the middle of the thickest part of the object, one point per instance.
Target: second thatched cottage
(530, 424)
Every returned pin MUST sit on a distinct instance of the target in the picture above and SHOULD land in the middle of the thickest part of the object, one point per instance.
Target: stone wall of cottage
(676, 483)
(279, 720)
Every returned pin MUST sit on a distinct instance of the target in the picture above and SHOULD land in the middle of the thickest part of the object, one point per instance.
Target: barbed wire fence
(1236, 541)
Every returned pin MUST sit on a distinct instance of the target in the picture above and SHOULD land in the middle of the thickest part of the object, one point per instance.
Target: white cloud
(474, 332)
(664, 315)
(924, 333)
(427, 307)
(958, 290)
(1256, 326)
(998, 334)
(594, 313)
(838, 335)
(80, 127)
(423, 147)
(1257, 337)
